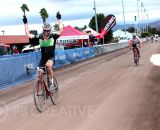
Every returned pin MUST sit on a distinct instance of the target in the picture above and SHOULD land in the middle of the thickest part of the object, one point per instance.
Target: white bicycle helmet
(47, 26)
(133, 35)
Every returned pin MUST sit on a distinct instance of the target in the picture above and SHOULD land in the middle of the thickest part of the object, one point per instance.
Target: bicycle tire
(136, 57)
(137, 60)
(39, 95)
(55, 94)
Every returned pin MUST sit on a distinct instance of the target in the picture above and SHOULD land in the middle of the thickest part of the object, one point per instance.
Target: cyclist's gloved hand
(58, 15)
(25, 19)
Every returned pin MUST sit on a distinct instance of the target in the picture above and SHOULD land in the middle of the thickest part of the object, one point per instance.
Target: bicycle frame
(41, 79)
(40, 90)
(136, 55)
(135, 50)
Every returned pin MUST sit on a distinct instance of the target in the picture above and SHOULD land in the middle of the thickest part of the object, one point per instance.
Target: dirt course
(104, 93)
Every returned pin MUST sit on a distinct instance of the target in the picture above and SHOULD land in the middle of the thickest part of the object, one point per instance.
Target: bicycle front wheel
(39, 95)
(137, 59)
(54, 94)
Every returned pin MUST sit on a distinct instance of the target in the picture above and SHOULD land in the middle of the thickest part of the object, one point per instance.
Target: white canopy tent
(119, 33)
(93, 32)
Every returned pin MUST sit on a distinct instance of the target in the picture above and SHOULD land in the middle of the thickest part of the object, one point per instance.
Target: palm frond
(44, 14)
(24, 8)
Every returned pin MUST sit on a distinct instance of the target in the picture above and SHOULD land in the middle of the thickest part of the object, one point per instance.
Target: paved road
(105, 93)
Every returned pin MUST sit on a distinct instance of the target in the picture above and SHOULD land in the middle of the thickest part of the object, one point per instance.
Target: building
(18, 40)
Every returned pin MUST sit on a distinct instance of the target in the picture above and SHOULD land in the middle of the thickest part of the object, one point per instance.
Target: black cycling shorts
(43, 61)
(134, 45)
(47, 54)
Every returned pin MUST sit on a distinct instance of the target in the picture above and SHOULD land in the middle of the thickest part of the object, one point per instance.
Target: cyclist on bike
(135, 43)
(152, 39)
(47, 41)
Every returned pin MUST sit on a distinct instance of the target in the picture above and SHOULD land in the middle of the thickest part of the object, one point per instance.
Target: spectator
(152, 38)
(96, 42)
(129, 42)
(147, 39)
(85, 44)
(156, 38)
(91, 38)
(15, 50)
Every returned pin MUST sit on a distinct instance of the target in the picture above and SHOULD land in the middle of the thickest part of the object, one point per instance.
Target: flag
(109, 23)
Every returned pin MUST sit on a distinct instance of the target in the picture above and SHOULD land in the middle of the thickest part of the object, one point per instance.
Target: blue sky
(76, 12)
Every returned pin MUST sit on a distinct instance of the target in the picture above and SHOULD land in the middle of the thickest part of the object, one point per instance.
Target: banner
(71, 55)
(80, 54)
(60, 58)
(109, 23)
(13, 68)
(88, 52)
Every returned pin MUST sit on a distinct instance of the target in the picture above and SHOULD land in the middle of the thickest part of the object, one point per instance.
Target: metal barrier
(13, 67)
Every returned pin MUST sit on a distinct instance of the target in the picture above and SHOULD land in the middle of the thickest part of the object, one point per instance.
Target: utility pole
(135, 25)
(124, 17)
(138, 17)
(142, 15)
(95, 16)
(145, 20)
(3, 31)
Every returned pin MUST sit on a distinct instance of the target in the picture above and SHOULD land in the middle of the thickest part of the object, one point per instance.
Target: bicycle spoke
(41, 92)
(39, 96)
(54, 95)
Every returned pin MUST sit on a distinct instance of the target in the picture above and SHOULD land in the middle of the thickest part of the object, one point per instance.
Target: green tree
(144, 34)
(56, 27)
(131, 29)
(24, 8)
(153, 30)
(77, 28)
(3, 50)
(100, 19)
(44, 14)
(82, 28)
(109, 36)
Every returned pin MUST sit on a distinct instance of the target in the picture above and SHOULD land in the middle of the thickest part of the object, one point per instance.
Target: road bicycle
(41, 92)
(136, 56)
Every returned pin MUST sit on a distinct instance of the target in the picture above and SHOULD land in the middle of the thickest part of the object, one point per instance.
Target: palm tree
(24, 8)
(56, 27)
(44, 14)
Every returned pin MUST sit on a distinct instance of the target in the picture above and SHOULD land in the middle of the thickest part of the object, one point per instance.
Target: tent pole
(103, 40)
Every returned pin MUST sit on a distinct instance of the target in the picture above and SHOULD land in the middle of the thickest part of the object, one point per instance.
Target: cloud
(19, 29)
(74, 9)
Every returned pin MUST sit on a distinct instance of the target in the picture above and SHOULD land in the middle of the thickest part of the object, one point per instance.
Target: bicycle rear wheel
(54, 95)
(39, 95)
(137, 59)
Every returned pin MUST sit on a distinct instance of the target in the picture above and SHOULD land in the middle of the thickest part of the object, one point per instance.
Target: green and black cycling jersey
(47, 47)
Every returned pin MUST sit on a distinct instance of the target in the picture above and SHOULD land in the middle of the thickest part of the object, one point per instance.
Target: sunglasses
(46, 30)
